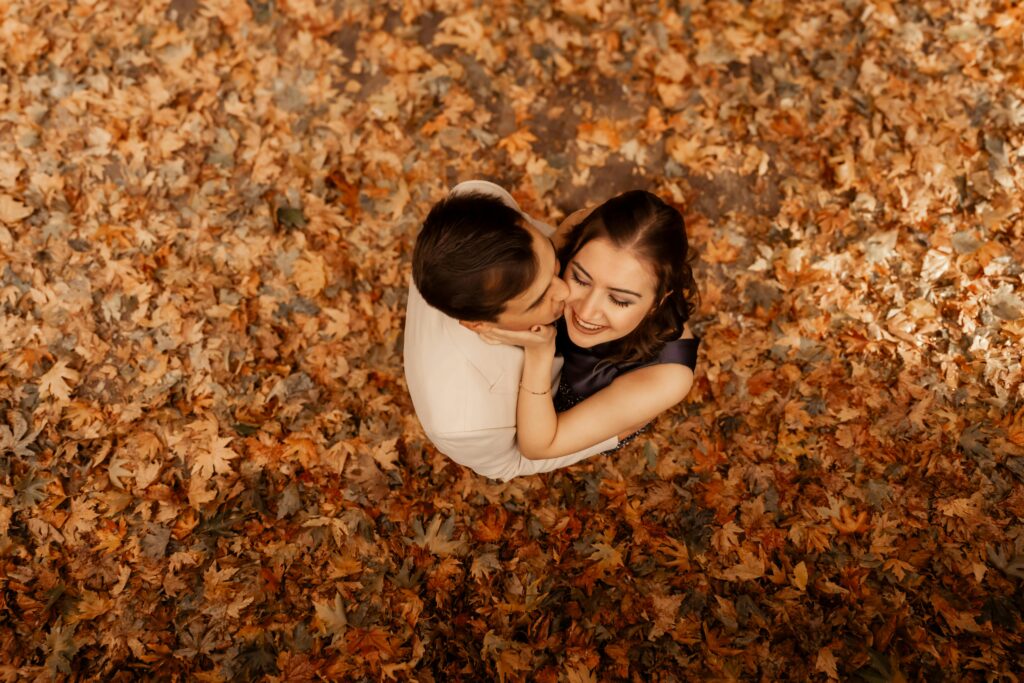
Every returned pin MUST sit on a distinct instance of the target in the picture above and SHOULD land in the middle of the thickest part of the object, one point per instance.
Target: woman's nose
(588, 306)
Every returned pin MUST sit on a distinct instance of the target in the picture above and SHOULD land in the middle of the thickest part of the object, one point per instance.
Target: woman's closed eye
(583, 283)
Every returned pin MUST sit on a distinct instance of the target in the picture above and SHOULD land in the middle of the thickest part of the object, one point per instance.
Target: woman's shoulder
(682, 351)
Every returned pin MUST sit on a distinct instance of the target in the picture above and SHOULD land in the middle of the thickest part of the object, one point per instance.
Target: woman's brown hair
(643, 224)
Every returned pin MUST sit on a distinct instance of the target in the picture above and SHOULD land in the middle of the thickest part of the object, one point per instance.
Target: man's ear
(476, 325)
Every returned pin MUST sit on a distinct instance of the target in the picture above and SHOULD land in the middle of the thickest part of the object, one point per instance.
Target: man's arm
(493, 453)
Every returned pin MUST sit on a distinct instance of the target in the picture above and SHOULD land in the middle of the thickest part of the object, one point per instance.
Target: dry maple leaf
(386, 454)
(54, 381)
(90, 606)
(666, 611)
(81, 519)
(580, 673)
(677, 552)
(846, 523)
(800, 576)
(310, 275)
(826, 663)
(12, 211)
(198, 495)
(491, 525)
(601, 132)
(466, 32)
(15, 437)
(116, 470)
(518, 145)
(437, 537)
(605, 557)
(215, 459)
(751, 566)
(587, 9)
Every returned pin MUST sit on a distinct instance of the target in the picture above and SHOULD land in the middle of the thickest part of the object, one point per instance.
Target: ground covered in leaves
(210, 468)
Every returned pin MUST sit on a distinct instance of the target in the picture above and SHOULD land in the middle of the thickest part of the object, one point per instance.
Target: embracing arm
(632, 399)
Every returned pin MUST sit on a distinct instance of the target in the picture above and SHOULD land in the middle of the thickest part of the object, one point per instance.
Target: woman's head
(630, 281)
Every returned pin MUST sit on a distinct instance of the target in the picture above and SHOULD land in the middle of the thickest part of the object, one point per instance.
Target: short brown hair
(473, 256)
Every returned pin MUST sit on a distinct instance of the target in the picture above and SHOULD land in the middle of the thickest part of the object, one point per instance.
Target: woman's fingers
(537, 335)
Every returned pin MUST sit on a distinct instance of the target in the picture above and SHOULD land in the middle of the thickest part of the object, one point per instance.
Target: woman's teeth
(584, 326)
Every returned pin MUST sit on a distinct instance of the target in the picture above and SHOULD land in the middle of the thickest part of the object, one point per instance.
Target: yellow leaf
(800, 576)
(580, 673)
(90, 606)
(116, 470)
(11, 210)
(607, 557)
(54, 382)
(601, 132)
(437, 537)
(386, 454)
(666, 609)
(517, 142)
(338, 326)
(826, 663)
(81, 520)
(331, 615)
(217, 458)
(197, 492)
(750, 567)
(588, 9)
(310, 275)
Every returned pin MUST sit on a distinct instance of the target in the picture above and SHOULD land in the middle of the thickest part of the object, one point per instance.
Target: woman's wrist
(532, 392)
(541, 351)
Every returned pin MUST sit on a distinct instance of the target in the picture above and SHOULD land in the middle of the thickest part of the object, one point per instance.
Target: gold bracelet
(535, 393)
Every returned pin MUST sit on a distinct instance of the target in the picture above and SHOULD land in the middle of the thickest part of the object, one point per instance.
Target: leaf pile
(209, 465)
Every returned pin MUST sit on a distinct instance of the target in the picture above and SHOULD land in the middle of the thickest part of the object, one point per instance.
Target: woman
(629, 354)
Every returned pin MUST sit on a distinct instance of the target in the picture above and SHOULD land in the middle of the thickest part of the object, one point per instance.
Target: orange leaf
(491, 526)
(848, 524)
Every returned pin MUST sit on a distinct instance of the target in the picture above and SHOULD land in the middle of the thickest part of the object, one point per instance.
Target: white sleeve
(493, 453)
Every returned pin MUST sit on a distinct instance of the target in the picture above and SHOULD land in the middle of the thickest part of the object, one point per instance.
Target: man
(479, 264)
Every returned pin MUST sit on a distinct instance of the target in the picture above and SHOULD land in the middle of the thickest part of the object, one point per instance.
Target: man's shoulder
(486, 187)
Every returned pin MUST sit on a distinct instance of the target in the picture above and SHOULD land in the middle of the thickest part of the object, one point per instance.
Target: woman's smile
(585, 327)
(610, 292)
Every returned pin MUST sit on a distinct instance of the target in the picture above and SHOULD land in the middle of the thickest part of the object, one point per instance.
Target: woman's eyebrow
(614, 289)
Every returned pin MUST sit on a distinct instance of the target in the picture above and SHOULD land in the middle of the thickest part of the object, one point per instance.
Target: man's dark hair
(472, 256)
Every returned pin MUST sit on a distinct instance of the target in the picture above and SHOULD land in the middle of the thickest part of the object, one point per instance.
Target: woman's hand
(537, 337)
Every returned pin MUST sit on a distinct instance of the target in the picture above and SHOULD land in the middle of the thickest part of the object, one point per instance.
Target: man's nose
(559, 289)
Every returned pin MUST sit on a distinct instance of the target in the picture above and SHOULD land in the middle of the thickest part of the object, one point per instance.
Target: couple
(498, 295)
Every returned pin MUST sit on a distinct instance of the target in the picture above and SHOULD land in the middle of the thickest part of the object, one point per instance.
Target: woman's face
(610, 292)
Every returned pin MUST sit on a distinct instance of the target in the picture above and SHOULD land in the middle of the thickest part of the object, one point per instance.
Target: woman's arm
(628, 403)
(536, 405)
(632, 399)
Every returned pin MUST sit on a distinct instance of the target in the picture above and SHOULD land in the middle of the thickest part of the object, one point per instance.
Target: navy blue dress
(583, 374)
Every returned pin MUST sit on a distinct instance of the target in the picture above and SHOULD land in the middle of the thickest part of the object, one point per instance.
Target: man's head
(480, 262)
